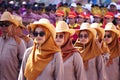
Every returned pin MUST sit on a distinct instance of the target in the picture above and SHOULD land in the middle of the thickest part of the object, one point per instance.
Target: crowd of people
(59, 42)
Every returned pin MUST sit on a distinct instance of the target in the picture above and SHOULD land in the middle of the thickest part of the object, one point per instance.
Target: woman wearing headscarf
(111, 39)
(73, 64)
(100, 41)
(19, 32)
(11, 48)
(43, 60)
(90, 52)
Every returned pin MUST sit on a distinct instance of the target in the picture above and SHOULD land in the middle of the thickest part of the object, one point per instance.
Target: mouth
(39, 39)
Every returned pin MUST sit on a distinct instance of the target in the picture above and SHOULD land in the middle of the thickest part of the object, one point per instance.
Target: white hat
(87, 6)
(112, 3)
(73, 5)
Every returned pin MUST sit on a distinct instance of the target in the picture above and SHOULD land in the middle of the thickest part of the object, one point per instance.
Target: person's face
(109, 19)
(59, 18)
(71, 20)
(113, 8)
(118, 21)
(97, 19)
(88, 20)
(39, 35)
(19, 31)
(108, 37)
(59, 39)
(4, 26)
(80, 19)
(83, 37)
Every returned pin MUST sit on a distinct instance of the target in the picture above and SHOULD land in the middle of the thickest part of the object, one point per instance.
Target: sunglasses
(83, 36)
(41, 34)
(5, 23)
(60, 36)
(107, 36)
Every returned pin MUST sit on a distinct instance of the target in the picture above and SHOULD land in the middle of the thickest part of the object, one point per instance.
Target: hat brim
(115, 31)
(71, 31)
(12, 21)
(93, 31)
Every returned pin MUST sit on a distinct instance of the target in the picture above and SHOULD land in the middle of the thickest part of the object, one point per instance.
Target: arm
(21, 50)
(59, 67)
(30, 43)
(101, 68)
(79, 67)
(26, 55)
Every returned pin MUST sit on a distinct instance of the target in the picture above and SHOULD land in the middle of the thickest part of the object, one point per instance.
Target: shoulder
(76, 54)
(27, 52)
(57, 54)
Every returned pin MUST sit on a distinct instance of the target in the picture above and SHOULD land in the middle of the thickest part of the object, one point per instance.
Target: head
(117, 19)
(81, 18)
(63, 33)
(59, 18)
(97, 19)
(109, 17)
(4, 25)
(83, 37)
(43, 31)
(19, 31)
(59, 15)
(7, 23)
(113, 7)
(111, 33)
(72, 17)
(100, 31)
(86, 34)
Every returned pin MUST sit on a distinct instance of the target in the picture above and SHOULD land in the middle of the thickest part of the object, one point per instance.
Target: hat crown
(62, 25)
(43, 20)
(18, 18)
(95, 25)
(110, 26)
(84, 26)
(6, 16)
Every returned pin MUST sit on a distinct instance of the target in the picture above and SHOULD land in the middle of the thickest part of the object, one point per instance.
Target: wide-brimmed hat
(7, 16)
(86, 26)
(45, 23)
(97, 27)
(111, 27)
(62, 26)
(19, 19)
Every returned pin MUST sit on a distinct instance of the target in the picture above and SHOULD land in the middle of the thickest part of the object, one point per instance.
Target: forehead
(39, 29)
(107, 32)
(112, 6)
(60, 33)
(83, 32)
